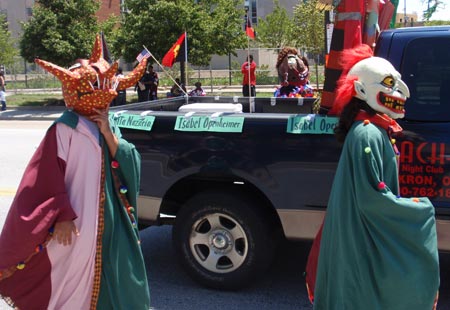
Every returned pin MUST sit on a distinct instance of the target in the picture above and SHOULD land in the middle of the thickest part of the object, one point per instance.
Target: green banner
(207, 123)
(311, 124)
(133, 121)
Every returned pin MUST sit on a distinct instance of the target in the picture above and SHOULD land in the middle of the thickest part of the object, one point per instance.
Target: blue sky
(419, 6)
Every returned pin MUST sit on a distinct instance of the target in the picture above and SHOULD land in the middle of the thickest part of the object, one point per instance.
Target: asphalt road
(281, 288)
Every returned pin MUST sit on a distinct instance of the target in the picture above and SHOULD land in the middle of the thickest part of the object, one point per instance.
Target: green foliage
(277, 29)
(432, 7)
(310, 22)
(164, 80)
(33, 100)
(310, 25)
(436, 23)
(7, 49)
(60, 31)
(236, 71)
(212, 26)
(35, 82)
(263, 77)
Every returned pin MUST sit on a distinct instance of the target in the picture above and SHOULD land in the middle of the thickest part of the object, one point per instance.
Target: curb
(36, 108)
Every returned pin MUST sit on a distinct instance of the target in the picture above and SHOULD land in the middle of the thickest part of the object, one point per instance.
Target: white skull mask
(380, 85)
(292, 61)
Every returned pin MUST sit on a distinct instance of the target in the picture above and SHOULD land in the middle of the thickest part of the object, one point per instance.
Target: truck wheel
(222, 241)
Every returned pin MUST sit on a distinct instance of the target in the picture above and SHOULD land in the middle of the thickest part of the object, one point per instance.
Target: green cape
(378, 251)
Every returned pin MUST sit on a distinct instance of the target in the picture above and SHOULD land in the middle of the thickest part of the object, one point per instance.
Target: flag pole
(250, 106)
(249, 64)
(167, 73)
(185, 46)
(185, 55)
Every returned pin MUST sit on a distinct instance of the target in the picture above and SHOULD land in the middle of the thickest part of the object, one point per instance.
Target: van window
(426, 71)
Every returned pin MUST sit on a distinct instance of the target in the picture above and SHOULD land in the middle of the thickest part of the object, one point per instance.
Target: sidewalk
(34, 113)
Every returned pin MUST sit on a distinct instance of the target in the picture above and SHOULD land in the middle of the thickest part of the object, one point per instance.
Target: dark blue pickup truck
(234, 175)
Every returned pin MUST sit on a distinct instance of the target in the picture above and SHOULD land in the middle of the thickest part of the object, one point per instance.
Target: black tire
(222, 240)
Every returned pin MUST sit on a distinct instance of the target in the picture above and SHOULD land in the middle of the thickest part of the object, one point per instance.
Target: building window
(123, 9)
(250, 8)
(253, 13)
(29, 12)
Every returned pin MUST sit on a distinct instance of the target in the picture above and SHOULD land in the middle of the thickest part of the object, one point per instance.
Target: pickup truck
(233, 175)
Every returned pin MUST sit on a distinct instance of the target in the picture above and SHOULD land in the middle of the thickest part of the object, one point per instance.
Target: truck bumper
(304, 225)
(148, 209)
(443, 232)
(301, 224)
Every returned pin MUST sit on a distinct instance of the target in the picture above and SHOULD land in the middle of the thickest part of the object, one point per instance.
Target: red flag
(248, 27)
(176, 52)
(386, 12)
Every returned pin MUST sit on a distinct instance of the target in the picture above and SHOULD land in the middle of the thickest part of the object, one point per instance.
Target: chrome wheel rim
(218, 243)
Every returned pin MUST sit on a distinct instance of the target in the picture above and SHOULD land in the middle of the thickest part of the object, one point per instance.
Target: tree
(212, 26)
(432, 7)
(310, 24)
(277, 29)
(7, 49)
(60, 31)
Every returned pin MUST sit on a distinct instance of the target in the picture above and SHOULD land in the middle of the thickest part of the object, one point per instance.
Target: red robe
(33, 213)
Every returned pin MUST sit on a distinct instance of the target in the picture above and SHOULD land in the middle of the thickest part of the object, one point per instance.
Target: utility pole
(405, 18)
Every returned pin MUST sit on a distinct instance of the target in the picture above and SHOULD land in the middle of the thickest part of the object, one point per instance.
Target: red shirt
(244, 70)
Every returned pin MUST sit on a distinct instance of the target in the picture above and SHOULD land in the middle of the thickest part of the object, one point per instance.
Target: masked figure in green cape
(378, 250)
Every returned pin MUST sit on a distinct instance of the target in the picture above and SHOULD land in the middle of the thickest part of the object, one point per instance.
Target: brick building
(108, 8)
(408, 19)
(17, 11)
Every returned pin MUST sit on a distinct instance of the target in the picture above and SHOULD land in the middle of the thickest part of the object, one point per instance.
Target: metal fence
(223, 70)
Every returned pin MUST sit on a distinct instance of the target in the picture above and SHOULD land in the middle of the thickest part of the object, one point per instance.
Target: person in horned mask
(70, 240)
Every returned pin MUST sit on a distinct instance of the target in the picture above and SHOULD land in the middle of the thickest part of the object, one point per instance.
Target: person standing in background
(197, 91)
(143, 87)
(2, 91)
(121, 98)
(153, 83)
(178, 89)
(248, 70)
